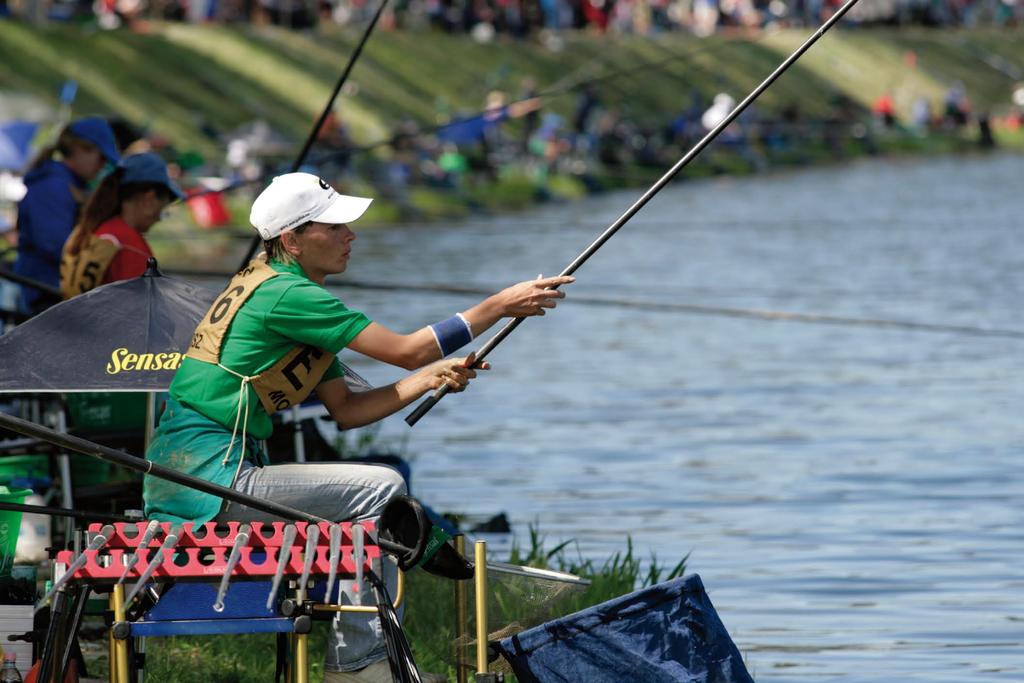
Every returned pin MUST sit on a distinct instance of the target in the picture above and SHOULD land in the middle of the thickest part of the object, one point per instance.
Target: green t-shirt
(284, 311)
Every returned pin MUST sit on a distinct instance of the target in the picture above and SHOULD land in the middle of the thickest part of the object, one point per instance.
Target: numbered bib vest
(288, 381)
(85, 270)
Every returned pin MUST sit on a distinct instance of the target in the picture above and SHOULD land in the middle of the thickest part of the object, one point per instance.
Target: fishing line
(666, 307)
(718, 311)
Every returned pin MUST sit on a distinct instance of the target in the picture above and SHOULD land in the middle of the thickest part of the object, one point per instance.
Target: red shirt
(131, 260)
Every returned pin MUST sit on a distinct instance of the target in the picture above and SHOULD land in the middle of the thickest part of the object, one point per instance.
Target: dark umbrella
(126, 336)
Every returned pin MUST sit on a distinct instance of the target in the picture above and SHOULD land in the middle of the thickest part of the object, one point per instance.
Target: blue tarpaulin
(668, 633)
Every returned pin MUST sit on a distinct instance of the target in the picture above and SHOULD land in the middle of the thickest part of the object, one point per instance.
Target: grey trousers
(341, 492)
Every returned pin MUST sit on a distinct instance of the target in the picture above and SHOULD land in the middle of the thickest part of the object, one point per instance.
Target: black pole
(46, 289)
(254, 245)
(64, 512)
(424, 407)
(80, 445)
(58, 611)
(72, 635)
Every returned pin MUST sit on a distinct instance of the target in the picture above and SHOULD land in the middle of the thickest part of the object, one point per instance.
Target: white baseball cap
(296, 198)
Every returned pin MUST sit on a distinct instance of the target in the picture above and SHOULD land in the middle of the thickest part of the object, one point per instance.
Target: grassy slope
(179, 75)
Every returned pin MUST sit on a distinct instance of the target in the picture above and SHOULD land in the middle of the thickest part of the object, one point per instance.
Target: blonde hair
(275, 248)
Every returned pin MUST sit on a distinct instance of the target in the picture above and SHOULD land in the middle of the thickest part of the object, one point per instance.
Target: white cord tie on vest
(243, 406)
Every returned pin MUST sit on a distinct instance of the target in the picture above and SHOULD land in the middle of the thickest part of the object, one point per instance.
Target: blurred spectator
(587, 104)
(109, 244)
(884, 110)
(921, 114)
(335, 143)
(453, 164)
(56, 189)
(718, 111)
(985, 139)
(957, 106)
(532, 118)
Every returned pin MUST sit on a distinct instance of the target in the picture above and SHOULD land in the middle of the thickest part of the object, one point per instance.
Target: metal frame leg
(300, 647)
(461, 602)
(301, 658)
(119, 646)
(480, 586)
(58, 609)
(72, 635)
(111, 657)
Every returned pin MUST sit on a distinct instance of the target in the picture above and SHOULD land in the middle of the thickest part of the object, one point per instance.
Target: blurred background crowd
(485, 19)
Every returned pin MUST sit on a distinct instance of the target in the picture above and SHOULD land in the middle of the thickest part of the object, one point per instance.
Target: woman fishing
(268, 341)
(57, 187)
(109, 242)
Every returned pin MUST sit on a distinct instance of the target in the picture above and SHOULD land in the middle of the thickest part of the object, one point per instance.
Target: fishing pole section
(432, 400)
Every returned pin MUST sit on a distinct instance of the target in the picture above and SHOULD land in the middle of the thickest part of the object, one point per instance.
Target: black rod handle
(424, 407)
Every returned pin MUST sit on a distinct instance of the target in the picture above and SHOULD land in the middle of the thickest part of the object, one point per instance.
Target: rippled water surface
(851, 497)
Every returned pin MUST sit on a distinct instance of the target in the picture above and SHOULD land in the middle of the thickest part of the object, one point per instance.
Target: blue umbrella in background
(15, 140)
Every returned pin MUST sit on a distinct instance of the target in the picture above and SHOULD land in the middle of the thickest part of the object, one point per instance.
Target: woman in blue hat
(109, 243)
(57, 188)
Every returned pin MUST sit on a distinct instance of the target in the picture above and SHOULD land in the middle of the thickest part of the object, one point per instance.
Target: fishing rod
(299, 160)
(666, 307)
(65, 512)
(424, 407)
(95, 450)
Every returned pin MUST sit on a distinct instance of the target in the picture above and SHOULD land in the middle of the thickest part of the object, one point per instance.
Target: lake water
(853, 498)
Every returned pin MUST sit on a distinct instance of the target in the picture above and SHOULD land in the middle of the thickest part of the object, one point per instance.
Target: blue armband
(452, 334)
